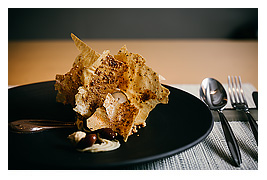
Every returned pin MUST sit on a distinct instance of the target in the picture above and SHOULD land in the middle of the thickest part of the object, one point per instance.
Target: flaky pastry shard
(144, 89)
(115, 115)
(67, 85)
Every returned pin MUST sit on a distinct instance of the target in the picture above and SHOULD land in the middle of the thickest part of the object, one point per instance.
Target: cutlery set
(214, 95)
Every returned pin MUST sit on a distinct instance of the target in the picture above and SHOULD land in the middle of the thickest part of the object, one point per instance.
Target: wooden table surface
(179, 61)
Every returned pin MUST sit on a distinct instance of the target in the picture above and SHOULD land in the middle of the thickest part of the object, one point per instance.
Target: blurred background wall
(98, 23)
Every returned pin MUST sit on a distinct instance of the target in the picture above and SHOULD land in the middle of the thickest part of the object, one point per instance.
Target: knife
(255, 98)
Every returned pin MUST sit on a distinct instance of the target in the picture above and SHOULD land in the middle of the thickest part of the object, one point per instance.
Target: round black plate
(171, 128)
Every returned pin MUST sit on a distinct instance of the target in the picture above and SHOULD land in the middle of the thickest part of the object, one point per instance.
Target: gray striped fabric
(212, 153)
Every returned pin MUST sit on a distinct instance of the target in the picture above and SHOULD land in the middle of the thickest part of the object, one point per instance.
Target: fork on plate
(239, 102)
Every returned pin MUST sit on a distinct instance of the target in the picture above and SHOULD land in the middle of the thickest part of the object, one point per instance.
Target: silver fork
(239, 102)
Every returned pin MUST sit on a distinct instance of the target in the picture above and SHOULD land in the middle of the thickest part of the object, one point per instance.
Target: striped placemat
(212, 153)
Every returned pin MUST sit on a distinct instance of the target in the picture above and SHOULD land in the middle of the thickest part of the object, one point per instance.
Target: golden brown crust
(144, 90)
(103, 77)
(117, 116)
(67, 85)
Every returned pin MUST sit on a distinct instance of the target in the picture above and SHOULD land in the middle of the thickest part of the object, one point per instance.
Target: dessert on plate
(111, 94)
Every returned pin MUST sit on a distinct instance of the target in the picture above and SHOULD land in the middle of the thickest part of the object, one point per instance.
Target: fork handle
(230, 139)
(253, 125)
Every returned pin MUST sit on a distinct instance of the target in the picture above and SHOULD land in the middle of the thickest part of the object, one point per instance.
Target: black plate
(171, 129)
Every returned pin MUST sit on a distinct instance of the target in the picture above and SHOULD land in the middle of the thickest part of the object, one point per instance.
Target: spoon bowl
(213, 94)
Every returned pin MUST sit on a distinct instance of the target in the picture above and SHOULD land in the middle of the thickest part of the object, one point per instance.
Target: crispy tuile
(94, 77)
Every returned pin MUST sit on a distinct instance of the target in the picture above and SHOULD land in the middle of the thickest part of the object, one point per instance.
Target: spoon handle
(36, 125)
(253, 125)
(230, 139)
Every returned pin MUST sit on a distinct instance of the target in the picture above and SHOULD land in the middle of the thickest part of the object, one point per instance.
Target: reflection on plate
(171, 129)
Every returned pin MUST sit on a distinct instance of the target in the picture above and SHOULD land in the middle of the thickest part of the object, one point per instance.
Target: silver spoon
(34, 125)
(214, 95)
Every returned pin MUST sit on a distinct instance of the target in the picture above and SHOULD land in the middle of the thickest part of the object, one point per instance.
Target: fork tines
(236, 92)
